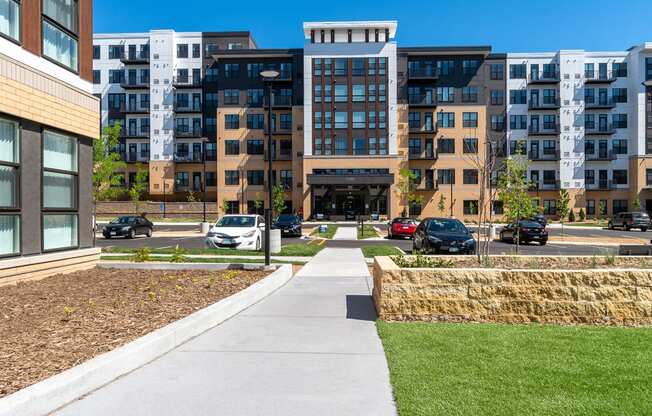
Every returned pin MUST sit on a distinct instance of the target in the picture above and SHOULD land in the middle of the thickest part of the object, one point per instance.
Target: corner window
(59, 231)
(9, 188)
(63, 12)
(60, 46)
(10, 19)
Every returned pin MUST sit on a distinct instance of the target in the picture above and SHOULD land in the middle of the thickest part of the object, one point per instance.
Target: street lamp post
(203, 183)
(268, 77)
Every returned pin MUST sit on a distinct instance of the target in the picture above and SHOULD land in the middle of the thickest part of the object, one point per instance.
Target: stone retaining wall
(172, 209)
(594, 296)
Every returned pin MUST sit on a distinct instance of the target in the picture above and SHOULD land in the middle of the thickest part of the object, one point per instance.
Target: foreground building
(48, 120)
(352, 109)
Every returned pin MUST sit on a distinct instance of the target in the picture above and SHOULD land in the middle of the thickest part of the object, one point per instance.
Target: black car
(128, 227)
(290, 225)
(435, 235)
(528, 231)
(541, 219)
(629, 220)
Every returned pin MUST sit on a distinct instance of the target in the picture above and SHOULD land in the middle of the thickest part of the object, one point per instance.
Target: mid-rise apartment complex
(48, 120)
(351, 109)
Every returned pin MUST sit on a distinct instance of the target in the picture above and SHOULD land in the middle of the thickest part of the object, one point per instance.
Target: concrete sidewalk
(311, 348)
(346, 233)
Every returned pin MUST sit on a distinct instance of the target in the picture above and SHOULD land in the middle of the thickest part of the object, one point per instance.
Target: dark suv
(629, 220)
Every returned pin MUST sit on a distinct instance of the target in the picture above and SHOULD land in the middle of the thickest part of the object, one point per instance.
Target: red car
(402, 228)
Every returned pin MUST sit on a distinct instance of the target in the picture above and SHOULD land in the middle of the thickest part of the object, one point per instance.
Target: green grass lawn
(378, 250)
(602, 224)
(203, 260)
(155, 218)
(330, 232)
(482, 369)
(288, 250)
(368, 231)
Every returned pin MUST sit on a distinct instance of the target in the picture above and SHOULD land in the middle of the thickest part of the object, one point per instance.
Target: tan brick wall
(595, 296)
(29, 94)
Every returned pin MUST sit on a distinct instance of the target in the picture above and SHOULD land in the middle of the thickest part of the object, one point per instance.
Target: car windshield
(124, 220)
(530, 224)
(446, 226)
(236, 221)
(641, 215)
(286, 218)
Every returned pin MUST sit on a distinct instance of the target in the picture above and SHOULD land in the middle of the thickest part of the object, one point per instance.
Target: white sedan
(242, 232)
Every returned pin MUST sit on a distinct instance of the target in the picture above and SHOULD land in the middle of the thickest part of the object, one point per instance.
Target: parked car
(128, 227)
(435, 235)
(290, 225)
(541, 219)
(401, 227)
(243, 232)
(629, 220)
(528, 231)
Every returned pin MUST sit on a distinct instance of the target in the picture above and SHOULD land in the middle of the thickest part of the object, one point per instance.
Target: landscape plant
(442, 204)
(582, 215)
(563, 208)
(278, 200)
(407, 190)
(178, 255)
(142, 255)
(139, 186)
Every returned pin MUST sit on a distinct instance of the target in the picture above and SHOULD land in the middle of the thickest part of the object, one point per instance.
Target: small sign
(161, 206)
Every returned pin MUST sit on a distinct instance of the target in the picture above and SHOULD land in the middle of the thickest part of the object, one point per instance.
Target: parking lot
(573, 241)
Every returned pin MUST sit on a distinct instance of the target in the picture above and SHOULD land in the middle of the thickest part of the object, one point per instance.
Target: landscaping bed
(488, 369)
(299, 250)
(50, 325)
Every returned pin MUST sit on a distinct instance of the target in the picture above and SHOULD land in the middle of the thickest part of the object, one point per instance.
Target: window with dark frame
(60, 32)
(10, 219)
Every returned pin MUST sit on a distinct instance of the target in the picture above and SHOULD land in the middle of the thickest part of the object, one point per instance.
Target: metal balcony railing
(543, 77)
(423, 73)
(188, 157)
(187, 132)
(186, 82)
(545, 129)
(544, 103)
(136, 57)
(599, 130)
(599, 76)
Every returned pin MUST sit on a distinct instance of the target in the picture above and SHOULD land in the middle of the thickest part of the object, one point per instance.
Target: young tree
(258, 203)
(225, 206)
(139, 186)
(442, 204)
(602, 210)
(278, 199)
(563, 207)
(636, 205)
(407, 189)
(513, 192)
(582, 214)
(107, 165)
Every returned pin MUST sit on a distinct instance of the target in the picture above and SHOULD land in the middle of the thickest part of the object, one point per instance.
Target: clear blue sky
(506, 25)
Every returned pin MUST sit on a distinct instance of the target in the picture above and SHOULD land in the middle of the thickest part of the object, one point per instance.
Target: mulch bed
(50, 325)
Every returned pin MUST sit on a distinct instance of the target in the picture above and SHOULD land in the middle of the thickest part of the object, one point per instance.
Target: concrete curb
(55, 392)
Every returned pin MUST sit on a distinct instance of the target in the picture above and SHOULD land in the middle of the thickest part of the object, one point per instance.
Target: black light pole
(269, 76)
(203, 183)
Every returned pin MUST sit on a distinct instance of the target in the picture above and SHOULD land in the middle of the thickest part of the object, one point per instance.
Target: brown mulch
(50, 325)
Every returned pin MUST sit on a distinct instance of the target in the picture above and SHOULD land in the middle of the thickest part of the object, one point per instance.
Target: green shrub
(571, 216)
(420, 261)
(582, 215)
(142, 255)
(178, 255)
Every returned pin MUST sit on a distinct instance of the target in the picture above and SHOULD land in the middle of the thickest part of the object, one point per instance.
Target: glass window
(231, 177)
(9, 235)
(59, 46)
(9, 149)
(59, 231)
(59, 152)
(341, 120)
(341, 93)
(59, 190)
(10, 19)
(359, 121)
(470, 119)
(359, 146)
(341, 146)
(496, 72)
(64, 12)
(358, 92)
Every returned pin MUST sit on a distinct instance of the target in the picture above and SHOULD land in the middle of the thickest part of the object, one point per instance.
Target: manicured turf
(330, 232)
(378, 250)
(481, 369)
(288, 250)
(367, 232)
(154, 218)
(203, 260)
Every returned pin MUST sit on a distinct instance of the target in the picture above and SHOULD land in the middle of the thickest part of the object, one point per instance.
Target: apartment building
(157, 85)
(48, 120)
(580, 118)
(352, 109)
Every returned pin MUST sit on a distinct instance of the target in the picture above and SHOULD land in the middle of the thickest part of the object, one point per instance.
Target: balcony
(428, 154)
(135, 109)
(545, 104)
(602, 155)
(118, 109)
(423, 100)
(600, 104)
(543, 77)
(547, 130)
(135, 58)
(282, 156)
(135, 133)
(135, 83)
(187, 108)
(180, 82)
(280, 101)
(187, 157)
(545, 186)
(182, 132)
(427, 73)
(600, 130)
(133, 157)
(599, 77)
(425, 128)
(546, 155)
(601, 185)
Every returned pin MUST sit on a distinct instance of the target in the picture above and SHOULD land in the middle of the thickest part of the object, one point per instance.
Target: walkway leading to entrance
(346, 233)
(311, 348)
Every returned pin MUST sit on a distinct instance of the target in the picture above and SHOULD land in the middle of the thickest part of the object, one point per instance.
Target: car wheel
(643, 229)
(610, 225)
(149, 232)
(258, 244)
(108, 237)
(543, 243)
(132, 234)
(627, 228)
